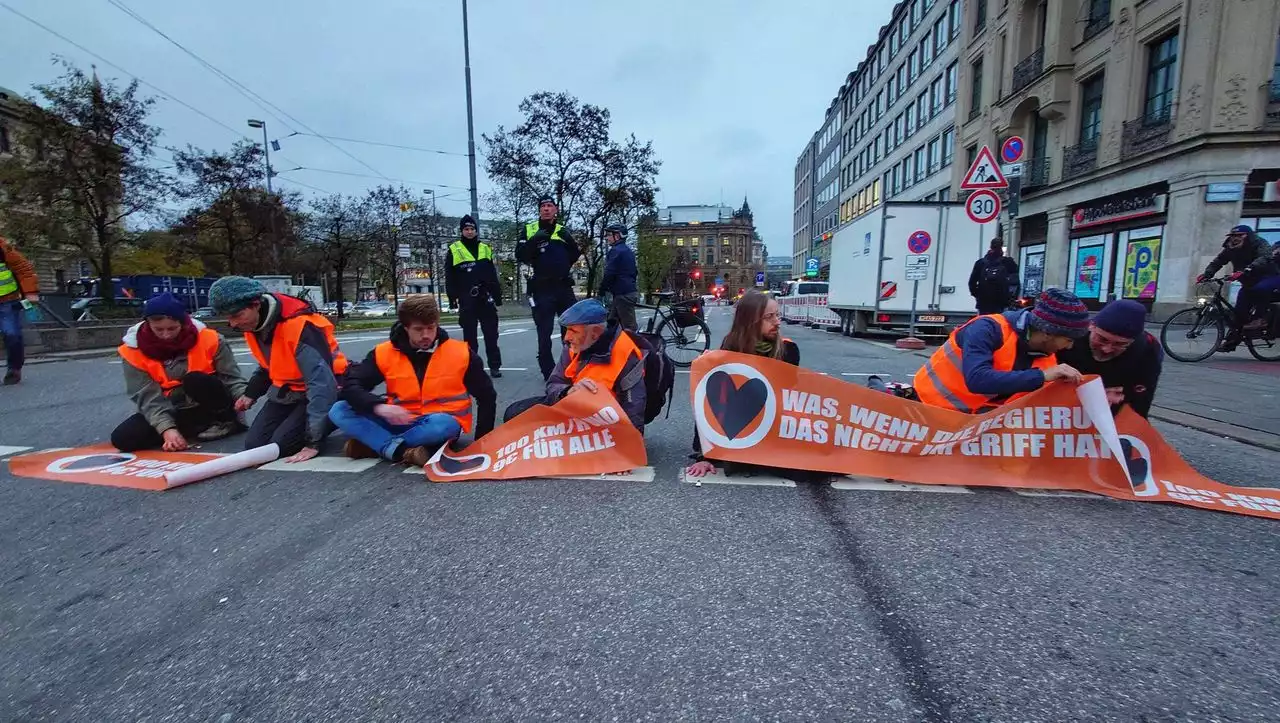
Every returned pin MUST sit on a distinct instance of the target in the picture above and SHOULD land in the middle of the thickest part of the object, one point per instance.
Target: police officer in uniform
(551, 251)
(475, 292)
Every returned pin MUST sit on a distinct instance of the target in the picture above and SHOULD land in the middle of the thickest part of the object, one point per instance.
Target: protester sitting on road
(1258, 272)
(596, 355)
(1123, 353)
(994, 359)
(430, 380)
(183, 378)
(756, 330)
(299, 365)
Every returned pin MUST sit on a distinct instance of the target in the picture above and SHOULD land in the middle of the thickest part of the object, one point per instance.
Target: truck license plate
(932, 318)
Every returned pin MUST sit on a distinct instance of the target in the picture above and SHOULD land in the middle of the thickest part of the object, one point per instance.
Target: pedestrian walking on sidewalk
(618, 289)
(993, 283)
(471, 282)
(548, 248)
(183, 378)
(19, 288)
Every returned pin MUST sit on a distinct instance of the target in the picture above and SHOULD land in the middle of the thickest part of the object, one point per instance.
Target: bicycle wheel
(684, 344)
(1265, 346)
(1194, 334)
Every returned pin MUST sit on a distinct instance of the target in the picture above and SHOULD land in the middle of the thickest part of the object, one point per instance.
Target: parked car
(373, 309)
(204, 312)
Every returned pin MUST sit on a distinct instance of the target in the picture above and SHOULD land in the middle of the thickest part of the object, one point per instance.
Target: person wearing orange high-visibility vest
(996, 358)
(181, 375)
(430, 380)
(299, 365)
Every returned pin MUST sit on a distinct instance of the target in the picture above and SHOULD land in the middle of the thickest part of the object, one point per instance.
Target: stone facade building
(1151, 127)
(712, 243)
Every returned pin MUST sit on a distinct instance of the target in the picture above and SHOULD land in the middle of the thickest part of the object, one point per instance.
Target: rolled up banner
(222, 465)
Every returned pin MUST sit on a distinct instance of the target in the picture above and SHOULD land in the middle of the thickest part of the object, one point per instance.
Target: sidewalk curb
(1244, 435)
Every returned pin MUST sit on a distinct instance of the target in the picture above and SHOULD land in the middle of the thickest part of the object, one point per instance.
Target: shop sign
(1115, 209)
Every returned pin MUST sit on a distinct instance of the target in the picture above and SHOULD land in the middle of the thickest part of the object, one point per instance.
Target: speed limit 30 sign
(982, 206)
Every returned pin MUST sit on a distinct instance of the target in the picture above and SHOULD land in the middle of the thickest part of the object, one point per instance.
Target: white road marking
(514, 369)
(8, 451)
(639, 474)
(718, 477)
(509, 332)
(1057, 493)
(868, 484)
(683, 371)
(321, 464)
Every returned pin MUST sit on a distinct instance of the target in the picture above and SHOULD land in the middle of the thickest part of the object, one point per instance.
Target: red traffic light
(697, 273)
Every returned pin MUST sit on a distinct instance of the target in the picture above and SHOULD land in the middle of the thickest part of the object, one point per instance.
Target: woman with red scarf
(183, 378)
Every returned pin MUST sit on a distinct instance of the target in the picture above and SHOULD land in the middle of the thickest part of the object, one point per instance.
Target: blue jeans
(429, 430)
(11, 313)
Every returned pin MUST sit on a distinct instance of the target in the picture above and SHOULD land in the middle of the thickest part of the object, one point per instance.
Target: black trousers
(284, 424)
(520, 407)
(213, 405)
(547, 305)
(486, 316)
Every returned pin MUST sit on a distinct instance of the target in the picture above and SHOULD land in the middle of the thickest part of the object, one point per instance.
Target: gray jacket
(629, 389)
(150, 398)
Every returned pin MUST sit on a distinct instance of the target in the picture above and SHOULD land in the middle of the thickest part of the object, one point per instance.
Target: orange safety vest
(606, 375)
(441, 390)
(283, 367)
(199, 359)
(940, 382)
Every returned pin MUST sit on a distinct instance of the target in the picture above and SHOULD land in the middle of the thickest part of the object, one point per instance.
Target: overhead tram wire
(384, 145)
(243, 89)
(393, 180)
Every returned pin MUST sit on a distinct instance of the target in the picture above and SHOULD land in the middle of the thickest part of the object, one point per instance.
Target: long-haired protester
(183, 378)
(757, 330)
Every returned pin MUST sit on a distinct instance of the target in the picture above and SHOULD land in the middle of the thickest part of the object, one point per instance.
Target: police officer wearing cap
(474, 290)
(548, 248)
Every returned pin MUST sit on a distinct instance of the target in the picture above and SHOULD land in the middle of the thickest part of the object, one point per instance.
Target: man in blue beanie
(1123, 353)
(595, 356)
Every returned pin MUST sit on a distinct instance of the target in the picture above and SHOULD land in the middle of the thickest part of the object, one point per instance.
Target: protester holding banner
(430, 380)
(182, 377)
(596, 355)
(997, 358)
(299, 365)
(756, 330)
(1123, 353)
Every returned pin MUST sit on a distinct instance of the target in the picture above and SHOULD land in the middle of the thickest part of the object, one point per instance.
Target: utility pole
(471, 128)
(266, 150)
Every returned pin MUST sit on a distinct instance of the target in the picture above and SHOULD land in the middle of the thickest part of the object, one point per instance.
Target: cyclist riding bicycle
(1255, 267)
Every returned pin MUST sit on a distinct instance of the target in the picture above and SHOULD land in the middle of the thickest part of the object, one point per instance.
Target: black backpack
(994, 280)
(659, 374)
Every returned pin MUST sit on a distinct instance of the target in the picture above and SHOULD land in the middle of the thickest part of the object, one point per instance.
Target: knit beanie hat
(1124, 317)
(466, 221)
(1060, 313)
(165, 304)
(230, 294)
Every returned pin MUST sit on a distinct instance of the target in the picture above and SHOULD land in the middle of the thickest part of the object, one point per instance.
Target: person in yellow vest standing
(182, 377)
(299, 365)
(19, 288)
(996, 358)
(430, 379)
(471, 282)
(547, 247)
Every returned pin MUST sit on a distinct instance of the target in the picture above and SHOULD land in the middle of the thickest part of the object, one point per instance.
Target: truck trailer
(870, 289)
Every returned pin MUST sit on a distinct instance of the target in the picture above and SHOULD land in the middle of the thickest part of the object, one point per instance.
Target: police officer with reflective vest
(431, 380)
(475, 292)
(552, 252)
(299, 365)
(996, 358)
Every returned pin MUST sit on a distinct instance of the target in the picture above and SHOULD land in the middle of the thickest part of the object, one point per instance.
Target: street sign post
(1011, 149)
(759, 278)
(403, 251)
(917, 270)
(982, 206)
(811, 266)
(919, 242)
(984, 173)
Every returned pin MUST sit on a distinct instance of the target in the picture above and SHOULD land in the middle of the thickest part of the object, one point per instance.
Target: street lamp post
(471, 128)
(266, 150)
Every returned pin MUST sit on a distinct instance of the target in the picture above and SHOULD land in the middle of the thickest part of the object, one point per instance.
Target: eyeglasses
(773, 316)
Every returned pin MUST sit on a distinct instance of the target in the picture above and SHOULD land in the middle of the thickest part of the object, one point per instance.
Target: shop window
(1137, 276)
(1087, 268)
(1032, 268)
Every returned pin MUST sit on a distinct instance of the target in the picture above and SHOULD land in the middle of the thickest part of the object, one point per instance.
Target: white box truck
(870, 256)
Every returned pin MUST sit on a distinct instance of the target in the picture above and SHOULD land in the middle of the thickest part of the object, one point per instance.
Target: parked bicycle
(1195, 334)
(681, 325)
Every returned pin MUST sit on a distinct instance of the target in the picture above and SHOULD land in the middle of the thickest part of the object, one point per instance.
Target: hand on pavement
(303, 455)
(586, 384)
(700, 469)
(1064, 373)
(392, 414)
(174, 441)
(243, 404)
(1115, 395)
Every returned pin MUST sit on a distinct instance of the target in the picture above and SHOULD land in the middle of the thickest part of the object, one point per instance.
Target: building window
(935, 95)
(913, 66)
(970, 155)
(725, 241)
(893, 44)
(711, 256)
(694, 241)
(679, 242)
(952, 79)
(940, 36)
(902, 78)
(1162, 65)
(935, 155)
(916, 11)
(922, 108)
(979, 16)
(896, 183)
(892, 89)
(975, 95)
(899, 130)
(948, 145)
(953, 16)
(926, 50)
(922, 166)
(904, 30)
(911, 118)
(1091, 109)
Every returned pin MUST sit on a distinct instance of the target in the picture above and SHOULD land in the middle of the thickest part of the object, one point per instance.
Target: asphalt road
(326, 596)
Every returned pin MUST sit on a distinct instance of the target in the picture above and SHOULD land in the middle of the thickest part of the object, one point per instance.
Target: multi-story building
(896, 118)
(802, 219)
(1151, 127)
(712, 244)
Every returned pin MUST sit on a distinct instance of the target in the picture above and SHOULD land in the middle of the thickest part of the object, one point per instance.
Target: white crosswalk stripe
(6, 451)
(868, 484)
(322, 464)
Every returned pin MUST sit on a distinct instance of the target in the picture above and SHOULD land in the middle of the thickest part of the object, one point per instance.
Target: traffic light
(697, 273)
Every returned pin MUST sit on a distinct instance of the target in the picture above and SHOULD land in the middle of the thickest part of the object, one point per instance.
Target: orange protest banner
(764, 412)
(104, 465)
(583, 434)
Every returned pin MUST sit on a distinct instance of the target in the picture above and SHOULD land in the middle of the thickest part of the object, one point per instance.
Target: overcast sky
(728, 92)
